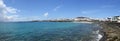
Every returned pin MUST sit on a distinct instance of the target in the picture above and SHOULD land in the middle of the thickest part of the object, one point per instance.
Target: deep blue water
(47, 31)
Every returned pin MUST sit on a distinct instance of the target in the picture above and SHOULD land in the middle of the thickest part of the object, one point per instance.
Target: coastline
(110, 31)
(83, 22)
(99, 32)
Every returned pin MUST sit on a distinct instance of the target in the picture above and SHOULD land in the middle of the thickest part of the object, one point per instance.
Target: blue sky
(51, 9)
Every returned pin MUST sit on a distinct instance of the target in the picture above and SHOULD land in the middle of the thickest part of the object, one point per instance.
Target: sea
(49, 31)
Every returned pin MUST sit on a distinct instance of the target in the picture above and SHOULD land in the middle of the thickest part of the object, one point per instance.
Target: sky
(25, 10)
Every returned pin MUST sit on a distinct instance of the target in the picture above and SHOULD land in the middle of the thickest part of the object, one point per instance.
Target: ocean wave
(98, 35)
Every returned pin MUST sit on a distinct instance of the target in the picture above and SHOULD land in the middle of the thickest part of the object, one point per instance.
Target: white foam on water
(99, 36)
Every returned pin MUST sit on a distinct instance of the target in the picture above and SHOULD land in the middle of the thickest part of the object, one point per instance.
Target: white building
(116, 18)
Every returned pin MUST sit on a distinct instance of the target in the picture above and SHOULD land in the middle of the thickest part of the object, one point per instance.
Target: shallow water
(48, 31)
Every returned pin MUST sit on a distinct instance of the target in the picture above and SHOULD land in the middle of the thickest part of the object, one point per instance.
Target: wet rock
(112, 31)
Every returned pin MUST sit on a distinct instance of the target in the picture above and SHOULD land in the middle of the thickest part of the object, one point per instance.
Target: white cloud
(118, 10)
(83, 12)
(89, 11)
(107, 6)
(56, 8)
(13, 17)
(27, 18)
(5, 10)
(46, 14)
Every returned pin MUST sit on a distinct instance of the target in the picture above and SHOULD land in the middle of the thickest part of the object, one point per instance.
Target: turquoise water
(47, 31)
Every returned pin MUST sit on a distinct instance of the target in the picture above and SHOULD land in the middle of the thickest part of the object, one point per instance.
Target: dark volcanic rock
(112, 31)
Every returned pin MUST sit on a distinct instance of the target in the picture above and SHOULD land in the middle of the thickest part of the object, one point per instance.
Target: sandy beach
(83, 22)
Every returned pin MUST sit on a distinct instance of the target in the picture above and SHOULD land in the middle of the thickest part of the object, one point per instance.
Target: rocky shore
(111, 31)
